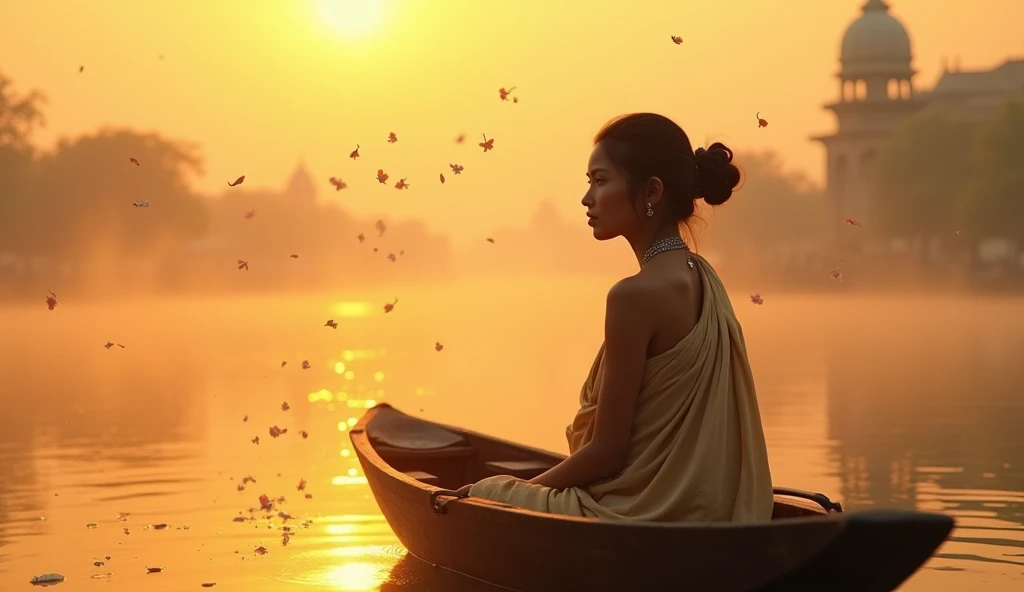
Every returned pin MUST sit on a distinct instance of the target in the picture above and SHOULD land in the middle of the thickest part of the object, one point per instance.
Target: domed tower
(300, 185)
(876, 93)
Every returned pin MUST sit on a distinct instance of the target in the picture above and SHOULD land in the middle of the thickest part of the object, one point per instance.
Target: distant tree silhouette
(20, 116)
(992, 203)
(772, 207)
(81, 209)
(919, 174)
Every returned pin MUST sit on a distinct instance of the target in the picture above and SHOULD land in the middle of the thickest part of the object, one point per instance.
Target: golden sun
(351, 18)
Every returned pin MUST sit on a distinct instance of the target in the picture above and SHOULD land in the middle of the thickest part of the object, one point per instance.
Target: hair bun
(716, 175)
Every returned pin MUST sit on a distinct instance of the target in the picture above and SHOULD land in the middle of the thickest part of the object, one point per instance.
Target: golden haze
(259, 86)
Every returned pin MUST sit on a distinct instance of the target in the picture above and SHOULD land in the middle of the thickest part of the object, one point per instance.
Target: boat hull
(525, 550)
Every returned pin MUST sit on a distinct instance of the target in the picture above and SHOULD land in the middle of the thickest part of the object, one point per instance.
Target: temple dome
(875, 43)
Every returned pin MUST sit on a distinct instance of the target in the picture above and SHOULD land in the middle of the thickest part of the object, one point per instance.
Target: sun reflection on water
(357, 576)
(355, 387)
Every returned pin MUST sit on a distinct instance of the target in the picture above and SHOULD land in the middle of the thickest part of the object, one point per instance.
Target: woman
(668, 427)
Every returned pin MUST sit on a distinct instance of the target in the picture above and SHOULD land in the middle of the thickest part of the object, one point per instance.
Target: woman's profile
(668, 427)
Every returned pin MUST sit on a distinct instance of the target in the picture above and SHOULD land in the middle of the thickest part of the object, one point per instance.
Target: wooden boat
(413, 467)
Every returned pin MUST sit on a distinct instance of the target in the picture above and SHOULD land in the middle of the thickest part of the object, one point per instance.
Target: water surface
(876, 401)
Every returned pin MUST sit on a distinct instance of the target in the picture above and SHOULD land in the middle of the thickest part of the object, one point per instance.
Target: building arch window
(893, 89)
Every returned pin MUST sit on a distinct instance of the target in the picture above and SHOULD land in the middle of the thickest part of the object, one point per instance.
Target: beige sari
(697, 451)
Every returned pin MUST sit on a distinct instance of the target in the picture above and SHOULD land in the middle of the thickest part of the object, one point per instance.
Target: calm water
(877, 402)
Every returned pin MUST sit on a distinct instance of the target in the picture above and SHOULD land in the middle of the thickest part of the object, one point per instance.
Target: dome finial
(873, 5)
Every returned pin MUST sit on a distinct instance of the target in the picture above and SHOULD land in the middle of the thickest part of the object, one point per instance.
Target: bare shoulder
(631, 299)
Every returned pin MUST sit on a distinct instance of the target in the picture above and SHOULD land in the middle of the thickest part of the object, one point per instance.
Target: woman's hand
(464, 490)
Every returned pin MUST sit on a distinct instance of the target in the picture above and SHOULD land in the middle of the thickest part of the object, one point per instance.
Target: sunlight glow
(351, 18)
(320, 395)
(357, 576)
(351, 309)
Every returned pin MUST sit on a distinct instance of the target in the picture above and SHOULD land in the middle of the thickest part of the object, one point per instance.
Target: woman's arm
(627, 333)
(587, 465)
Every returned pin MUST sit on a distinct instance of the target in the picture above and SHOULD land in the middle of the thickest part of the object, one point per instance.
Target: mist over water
(876, 401)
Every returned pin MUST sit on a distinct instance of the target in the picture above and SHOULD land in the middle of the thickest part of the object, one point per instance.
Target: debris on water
(151, 570)
(304, 434)
(209, 584)
(305, 364)
(92, 525)
(285, 406)
(123, 516)
(260, 550)
(47, 579)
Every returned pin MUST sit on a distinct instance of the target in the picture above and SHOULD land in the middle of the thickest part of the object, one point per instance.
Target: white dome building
(877, 41)
(877, 92)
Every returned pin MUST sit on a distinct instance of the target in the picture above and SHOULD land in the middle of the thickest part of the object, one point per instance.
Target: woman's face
(611, 209)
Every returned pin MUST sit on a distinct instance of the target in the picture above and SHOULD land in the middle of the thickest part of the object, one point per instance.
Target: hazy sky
(260, 84)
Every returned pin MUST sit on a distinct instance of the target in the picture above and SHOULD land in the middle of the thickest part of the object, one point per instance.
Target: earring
(650, 212)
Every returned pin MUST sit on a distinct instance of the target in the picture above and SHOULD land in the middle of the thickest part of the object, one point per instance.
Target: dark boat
(413, 467)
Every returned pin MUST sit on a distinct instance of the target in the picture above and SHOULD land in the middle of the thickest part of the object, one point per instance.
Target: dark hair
(645, 145)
